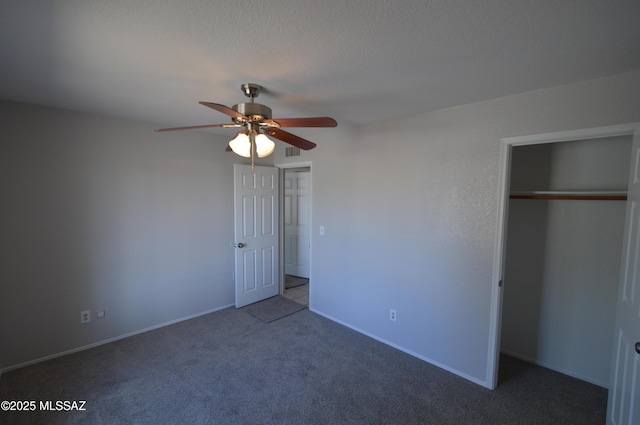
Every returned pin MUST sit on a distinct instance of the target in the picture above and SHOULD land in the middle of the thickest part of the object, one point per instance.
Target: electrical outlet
(392, 315)
(85, 316)
(100, 314)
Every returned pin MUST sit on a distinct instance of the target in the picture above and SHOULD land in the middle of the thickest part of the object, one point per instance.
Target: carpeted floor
(231, 368)
(272, 309)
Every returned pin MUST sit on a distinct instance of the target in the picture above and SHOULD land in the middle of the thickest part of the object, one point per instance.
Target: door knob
(239, 245)
(638, 347)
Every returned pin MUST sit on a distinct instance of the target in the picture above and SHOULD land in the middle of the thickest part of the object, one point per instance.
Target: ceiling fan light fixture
(241, 145)
(264, 145)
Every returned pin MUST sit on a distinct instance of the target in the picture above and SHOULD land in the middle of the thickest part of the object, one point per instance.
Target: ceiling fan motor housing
(255, 111)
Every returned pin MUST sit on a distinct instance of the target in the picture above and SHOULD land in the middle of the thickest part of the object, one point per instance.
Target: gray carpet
(230, 368)
(274, 308)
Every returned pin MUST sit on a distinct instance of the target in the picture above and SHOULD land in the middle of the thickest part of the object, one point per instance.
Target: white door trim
(506, 146)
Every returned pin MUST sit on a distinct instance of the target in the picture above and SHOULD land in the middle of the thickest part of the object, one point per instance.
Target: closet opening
(564, 238)
(555, 344)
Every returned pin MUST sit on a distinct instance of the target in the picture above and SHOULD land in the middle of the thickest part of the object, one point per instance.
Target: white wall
(99, 213)
(563, 257)
(410, 212)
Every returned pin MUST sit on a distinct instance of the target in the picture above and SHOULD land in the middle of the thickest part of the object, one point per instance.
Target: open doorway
(508, 146)
(563, 253)
(296, 225)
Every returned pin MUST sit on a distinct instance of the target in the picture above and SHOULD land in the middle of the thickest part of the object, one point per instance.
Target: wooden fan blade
(228, 149)
(191, 127)
(305, 122)
(292, 139)
(225, 110)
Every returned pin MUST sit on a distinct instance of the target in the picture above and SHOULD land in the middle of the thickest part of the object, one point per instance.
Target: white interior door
(256, 233)
(297, 204)
(624, 392)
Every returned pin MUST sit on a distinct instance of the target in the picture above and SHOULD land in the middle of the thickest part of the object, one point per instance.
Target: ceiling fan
(258, 124)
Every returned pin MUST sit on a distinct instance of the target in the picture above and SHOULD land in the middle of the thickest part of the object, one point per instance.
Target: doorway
(507, 147)
(563, 254)
(296, 233)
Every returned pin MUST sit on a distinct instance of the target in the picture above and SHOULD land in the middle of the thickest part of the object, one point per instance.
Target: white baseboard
(405, 350)
(107, 341)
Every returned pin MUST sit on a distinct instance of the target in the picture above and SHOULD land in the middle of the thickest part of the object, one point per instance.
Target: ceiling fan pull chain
(252, 138)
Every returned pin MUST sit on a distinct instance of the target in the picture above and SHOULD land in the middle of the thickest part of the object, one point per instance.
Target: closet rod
(572, 195)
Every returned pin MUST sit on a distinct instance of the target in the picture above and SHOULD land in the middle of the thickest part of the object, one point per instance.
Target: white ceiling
(357, 61)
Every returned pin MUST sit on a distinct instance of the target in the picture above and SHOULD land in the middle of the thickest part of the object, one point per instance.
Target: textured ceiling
(358, 61)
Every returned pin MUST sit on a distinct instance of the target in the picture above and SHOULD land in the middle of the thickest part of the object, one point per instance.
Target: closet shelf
(580, 195)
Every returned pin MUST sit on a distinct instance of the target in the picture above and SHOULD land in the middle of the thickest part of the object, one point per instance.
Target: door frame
(504, 178)
(283, 168)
